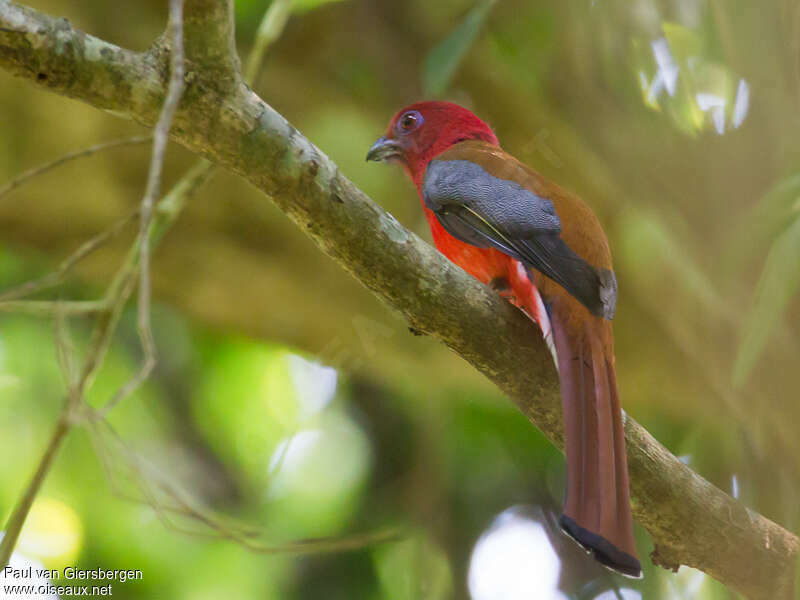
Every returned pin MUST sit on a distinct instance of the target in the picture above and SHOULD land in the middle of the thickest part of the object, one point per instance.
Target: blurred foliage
(249, 12)
(444, 59)
(780, 278)
(413, 568)
(675, 119)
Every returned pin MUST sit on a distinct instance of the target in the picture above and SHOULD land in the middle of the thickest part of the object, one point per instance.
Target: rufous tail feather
(597, 512)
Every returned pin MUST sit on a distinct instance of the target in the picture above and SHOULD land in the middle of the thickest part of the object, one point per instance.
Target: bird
(544, 250)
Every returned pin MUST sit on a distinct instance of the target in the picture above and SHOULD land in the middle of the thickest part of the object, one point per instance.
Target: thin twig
(65, 351)
(119, 292)
(26, 176)
(48, 308)
(241, 534)
(160, 138)
(57, 276)
(167, 212)
(117, 295)
(153, 224)
(170, 206)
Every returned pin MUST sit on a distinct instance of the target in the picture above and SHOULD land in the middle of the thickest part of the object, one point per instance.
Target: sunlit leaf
(443, 60)
(324, 461)
(52, 533)
(317, 475)
(678, 75)
(254, 378)
(683, 41)
(778, 284)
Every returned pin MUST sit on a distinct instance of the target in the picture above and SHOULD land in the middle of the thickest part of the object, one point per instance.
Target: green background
(701, 205)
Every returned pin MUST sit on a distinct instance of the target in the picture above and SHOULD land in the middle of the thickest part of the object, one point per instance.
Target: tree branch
(691, 521)
(100, 73)
(210, 38)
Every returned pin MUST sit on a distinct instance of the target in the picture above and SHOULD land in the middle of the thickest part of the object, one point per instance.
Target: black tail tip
(606, 553)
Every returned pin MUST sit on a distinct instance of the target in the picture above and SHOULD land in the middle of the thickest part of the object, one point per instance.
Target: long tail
(597, 511)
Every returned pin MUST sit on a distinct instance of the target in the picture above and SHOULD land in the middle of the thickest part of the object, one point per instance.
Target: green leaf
(444, 59)
(769, 217)
(778, 284)
(250, 12)
(301, 6)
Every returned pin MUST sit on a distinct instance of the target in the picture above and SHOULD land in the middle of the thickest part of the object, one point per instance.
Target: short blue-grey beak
(385, 149)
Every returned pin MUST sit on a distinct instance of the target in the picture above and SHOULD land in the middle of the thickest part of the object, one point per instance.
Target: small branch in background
(171, 206)
(269, 31)
(23, 506)
(120, 290)
(167, 212)
(66, 352)
(160, 138)
(26, 176)
(55, 277)
(50, 308)
(155, 221)
(163, 496)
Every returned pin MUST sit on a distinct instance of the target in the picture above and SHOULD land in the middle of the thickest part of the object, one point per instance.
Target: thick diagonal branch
(691, 521)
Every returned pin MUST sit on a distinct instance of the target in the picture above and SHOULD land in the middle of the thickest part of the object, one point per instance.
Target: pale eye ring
(409, 121)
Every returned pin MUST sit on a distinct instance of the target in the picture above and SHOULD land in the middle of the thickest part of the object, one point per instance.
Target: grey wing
(503, 203)
(485, 211)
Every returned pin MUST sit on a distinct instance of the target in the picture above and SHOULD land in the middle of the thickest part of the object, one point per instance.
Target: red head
(419, 132)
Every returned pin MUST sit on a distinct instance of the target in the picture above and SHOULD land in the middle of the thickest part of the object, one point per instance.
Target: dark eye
(409, 121)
